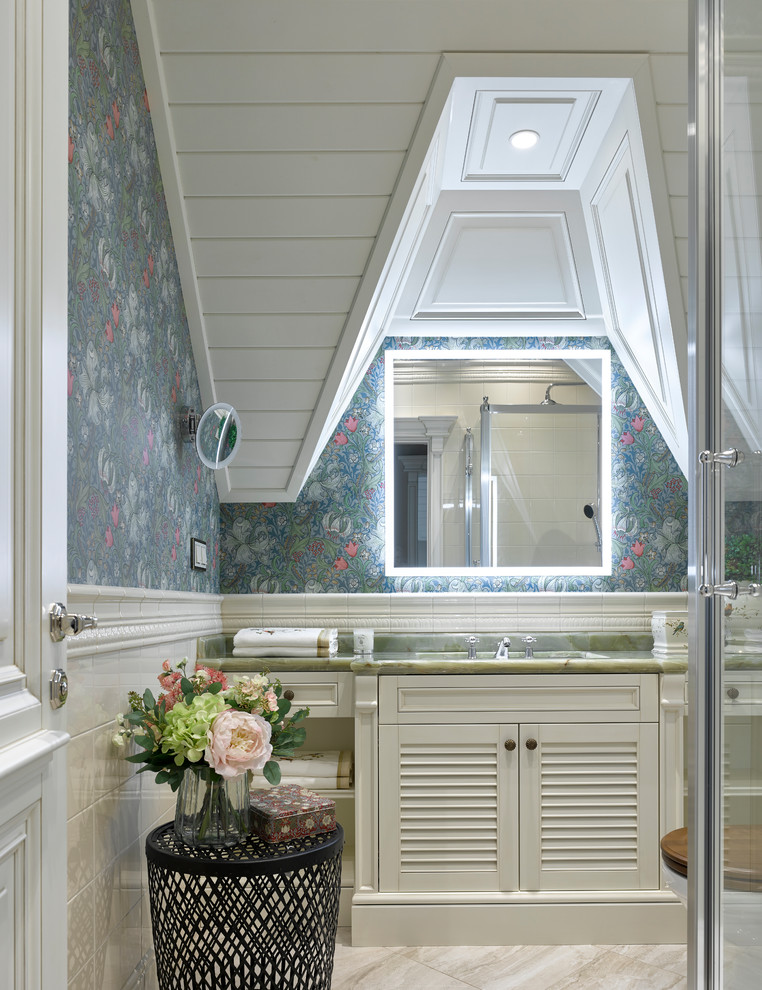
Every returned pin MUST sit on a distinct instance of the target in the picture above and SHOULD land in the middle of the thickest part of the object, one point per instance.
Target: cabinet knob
(510, 745)
(531, 744)
(288, 694)
(732, 693)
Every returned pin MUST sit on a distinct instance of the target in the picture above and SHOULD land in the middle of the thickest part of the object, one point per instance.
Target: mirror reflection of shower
(510, 450)
(591, 513)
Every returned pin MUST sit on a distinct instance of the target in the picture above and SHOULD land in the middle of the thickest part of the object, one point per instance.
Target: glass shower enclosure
(725, 676)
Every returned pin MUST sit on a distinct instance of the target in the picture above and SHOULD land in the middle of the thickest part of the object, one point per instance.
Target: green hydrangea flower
(187, 727)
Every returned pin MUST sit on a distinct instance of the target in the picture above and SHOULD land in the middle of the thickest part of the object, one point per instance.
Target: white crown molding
(140, 616)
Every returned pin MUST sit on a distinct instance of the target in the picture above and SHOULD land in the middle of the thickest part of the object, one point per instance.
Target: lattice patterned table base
(258, 915)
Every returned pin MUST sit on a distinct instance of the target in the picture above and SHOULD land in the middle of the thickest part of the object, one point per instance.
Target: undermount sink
(515, 655)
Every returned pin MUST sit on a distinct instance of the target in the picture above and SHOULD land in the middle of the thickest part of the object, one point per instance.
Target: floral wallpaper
(332, 538)
(136, 492)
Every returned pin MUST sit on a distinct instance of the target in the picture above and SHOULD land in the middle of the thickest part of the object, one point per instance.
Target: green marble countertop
(405, 663)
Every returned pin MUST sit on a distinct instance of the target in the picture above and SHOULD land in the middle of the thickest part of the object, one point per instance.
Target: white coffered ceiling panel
(509, 266)
(559, 117)
(290, 136)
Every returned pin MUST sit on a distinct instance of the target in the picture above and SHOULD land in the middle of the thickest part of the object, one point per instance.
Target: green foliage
(743, 555)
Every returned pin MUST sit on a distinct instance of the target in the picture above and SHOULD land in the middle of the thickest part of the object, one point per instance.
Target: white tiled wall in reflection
(110, 808)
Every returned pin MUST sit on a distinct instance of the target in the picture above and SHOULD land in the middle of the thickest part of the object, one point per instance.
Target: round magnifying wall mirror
(218, 436)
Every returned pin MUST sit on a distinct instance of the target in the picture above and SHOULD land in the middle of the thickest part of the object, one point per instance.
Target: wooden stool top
(743, 855)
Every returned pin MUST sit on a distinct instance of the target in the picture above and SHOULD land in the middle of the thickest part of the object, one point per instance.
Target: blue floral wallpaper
(137, 493)
(332, 538)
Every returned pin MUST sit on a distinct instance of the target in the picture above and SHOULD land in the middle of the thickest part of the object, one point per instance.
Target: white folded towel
(331, 763)
(326, 770)
(285, 642)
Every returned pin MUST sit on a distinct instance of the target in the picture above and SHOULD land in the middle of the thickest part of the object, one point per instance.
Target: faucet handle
(529, 640)
(471, 642)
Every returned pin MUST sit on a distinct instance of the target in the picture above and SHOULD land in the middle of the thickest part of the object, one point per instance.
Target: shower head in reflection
(592, 513)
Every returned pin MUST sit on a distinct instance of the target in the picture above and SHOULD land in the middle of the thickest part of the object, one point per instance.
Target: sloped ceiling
(284, 129)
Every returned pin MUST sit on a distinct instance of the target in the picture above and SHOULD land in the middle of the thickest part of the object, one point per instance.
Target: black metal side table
(256, 916)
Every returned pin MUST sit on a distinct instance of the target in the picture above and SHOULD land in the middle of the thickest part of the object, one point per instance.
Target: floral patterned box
(290, 812)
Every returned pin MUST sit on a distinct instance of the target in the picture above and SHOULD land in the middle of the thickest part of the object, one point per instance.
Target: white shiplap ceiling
(283, 128)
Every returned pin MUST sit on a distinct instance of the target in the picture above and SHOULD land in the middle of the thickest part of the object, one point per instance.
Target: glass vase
(211, 810)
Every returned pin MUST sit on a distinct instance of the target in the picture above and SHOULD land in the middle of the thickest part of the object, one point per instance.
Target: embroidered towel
(285, 642)
(327, 769)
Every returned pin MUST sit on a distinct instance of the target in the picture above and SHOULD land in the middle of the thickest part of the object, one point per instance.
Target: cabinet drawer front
(517, 697)
(327, 695)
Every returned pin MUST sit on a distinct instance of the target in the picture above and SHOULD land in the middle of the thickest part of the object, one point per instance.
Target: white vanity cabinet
(518, 783)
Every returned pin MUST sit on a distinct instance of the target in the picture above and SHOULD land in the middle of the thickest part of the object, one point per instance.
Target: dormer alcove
(293, 259)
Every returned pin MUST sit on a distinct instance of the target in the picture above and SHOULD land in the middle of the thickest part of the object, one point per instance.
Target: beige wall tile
(80, 925)
(80, 851)
(79, 774)
(84, 978)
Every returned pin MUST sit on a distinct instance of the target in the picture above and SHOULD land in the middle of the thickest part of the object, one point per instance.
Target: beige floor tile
(673, 958)
(616, 971)
(381, 969)
(524, 967)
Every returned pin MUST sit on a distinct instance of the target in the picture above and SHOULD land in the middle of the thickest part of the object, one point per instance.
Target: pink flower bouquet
(201, 721)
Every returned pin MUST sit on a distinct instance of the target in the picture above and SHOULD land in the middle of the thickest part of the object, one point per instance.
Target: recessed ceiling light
(524, 139)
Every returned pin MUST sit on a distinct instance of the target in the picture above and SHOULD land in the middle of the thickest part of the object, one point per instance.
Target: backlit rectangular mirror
(498, 462)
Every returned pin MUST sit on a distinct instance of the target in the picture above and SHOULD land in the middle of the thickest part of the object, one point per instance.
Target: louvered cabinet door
(589, 812)
(448, 807)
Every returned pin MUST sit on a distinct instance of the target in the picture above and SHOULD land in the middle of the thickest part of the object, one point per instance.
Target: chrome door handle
(63, 623)
(727, 590)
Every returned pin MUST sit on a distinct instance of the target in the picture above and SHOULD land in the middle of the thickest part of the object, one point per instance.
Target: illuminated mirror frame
(392, 357)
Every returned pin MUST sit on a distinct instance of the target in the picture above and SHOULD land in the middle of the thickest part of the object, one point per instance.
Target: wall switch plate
(198, 554)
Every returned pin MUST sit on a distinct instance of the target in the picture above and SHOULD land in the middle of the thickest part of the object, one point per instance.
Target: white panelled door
(33, 346)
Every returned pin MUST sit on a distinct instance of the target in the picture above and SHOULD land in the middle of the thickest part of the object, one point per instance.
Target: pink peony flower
(351, 423)
(351, 548)
(146, 278)
(150, 263)
(71, 150)
(109, 332)
(177, 535)
(115, 313)
(341, 439)
(110, 128)
(237, 742)
(173, 393)
(628, 563)
(340, 564)
(268, 505)
(627, 437)
(638, 423)
(109, 537)
(638, 547)
(173, 553)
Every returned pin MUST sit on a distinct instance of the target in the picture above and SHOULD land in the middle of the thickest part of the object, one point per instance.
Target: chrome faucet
(502, 648)
(528, 642)
(471, 642)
